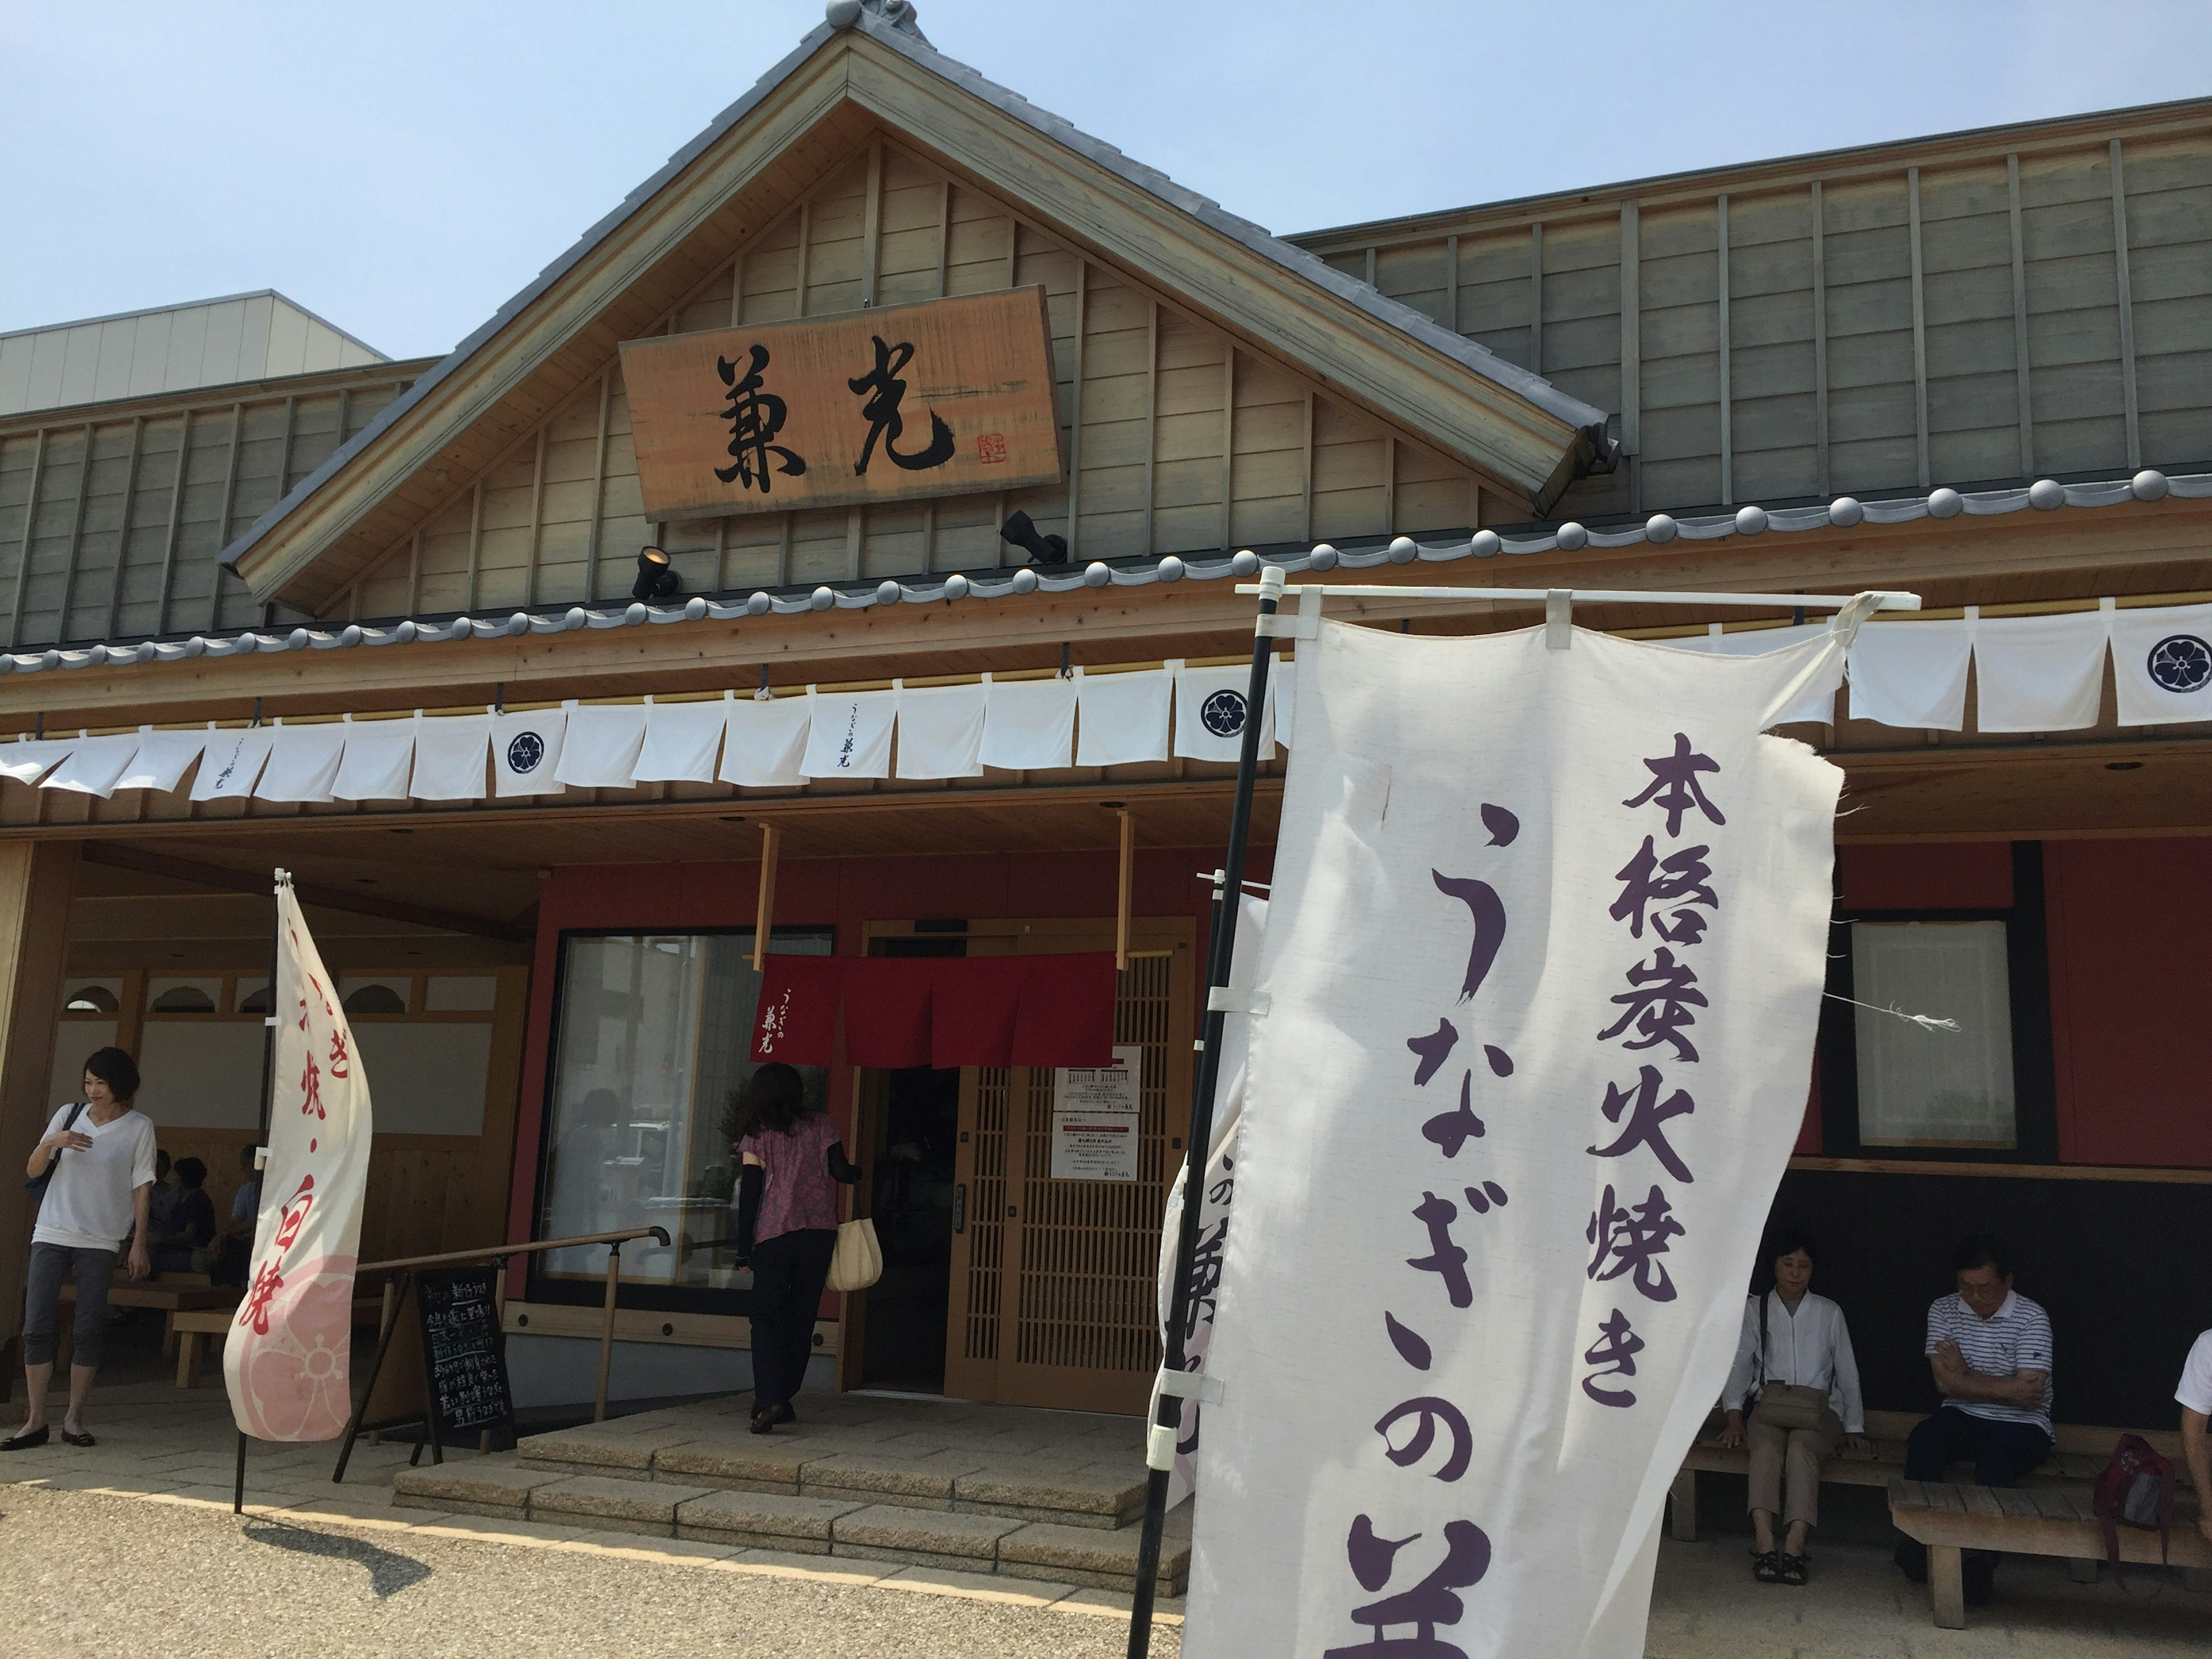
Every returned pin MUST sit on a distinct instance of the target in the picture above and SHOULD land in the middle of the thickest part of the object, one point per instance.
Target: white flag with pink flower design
(286, 1361)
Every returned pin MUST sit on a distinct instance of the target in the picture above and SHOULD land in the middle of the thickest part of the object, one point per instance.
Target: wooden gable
(1203, 407)
(1178, 439)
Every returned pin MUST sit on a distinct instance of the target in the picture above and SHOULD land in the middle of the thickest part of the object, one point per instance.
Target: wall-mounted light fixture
(656, 576)
(1020, 531)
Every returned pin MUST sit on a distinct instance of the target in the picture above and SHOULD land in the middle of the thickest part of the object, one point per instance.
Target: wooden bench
(2078, 1454)
(213, 1325)
(2056, 1520)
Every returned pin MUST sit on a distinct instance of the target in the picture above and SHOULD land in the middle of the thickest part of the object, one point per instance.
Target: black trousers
(2000, 1452)
(789, 1273)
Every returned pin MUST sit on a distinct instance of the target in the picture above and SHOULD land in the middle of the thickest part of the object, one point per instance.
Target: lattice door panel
(1054, 1296)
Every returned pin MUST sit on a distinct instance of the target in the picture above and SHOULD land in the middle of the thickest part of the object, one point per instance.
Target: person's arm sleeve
(201, 1227)
(2195, 1393)
(750, 1180)
(141, 1162)
(1747, 1356)
(842, 1169)
(1851, 1402)
(1928, 1350)
(2034, 1353)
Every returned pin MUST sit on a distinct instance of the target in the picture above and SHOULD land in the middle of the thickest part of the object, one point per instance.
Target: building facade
(1974, 367)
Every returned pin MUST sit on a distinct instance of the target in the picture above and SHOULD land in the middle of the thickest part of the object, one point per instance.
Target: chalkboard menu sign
(462, 1353)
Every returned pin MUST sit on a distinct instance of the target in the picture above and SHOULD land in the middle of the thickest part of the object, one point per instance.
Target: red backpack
(2135, 1490)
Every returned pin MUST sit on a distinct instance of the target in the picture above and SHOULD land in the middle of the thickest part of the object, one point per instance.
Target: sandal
(77, 1439)
(1792, 1571)
(1766, 1566)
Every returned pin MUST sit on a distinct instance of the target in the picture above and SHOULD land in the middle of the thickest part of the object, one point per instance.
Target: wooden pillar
(1121, 904)
(764, 911)
(38, 880)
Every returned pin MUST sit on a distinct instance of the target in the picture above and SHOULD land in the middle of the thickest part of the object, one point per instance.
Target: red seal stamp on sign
(991, 447)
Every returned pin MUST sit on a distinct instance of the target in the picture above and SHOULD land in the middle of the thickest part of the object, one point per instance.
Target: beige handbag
(858, 1261)
(1780, 1405)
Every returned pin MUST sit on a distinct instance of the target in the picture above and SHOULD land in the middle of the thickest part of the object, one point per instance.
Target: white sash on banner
(161, 759)
(601, 748)
(449, 757)
(232, 764)
(303, 762)
(851, 734)
(2162, 664)
(526, 751)
(2039, 673)
(764, 744)
(1543, 961)
(1124, 717)
(1210, 712)
(380, 759)
(1030, 726)
(94, 764)
(681, 740)
(1912, 674)
(28, 759)
(940, 731)
(286, 1363)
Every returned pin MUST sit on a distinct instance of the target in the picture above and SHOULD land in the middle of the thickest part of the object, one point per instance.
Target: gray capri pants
(42, 1301)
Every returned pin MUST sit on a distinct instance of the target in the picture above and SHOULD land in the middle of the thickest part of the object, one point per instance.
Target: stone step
(1093, 1556)
(1057, 1485)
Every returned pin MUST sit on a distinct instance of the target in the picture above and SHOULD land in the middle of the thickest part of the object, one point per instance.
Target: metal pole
(607, 1332)
(1228, 891)
(267, 1084)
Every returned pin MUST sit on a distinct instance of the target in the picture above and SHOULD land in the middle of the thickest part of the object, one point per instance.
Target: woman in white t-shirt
(2195, 1395)
(99, 1156)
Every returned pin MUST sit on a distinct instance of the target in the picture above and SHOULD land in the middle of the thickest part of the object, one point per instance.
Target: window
(649, 1051)
(1923, 1088)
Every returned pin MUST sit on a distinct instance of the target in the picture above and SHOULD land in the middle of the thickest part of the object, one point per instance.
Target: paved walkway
(148, 1510)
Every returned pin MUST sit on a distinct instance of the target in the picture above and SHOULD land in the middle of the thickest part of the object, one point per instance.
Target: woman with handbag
(788, 1207)
(1794, 1365)
(92, 1175)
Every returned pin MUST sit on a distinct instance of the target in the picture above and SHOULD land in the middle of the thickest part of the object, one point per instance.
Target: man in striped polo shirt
(1990, 1349)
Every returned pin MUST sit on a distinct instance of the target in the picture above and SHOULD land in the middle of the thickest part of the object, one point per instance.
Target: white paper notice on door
(1095, 1114)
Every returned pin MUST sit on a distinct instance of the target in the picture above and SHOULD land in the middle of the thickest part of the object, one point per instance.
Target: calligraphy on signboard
(885, 404)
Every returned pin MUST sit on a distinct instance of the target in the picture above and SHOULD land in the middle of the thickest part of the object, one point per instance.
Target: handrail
(659, 1235)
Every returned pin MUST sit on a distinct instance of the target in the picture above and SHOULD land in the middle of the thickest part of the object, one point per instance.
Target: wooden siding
(1178, 439)
(111, 521)
(1957, 313)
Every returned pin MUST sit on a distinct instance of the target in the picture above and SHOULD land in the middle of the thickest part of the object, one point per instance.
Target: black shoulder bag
(36, 1185)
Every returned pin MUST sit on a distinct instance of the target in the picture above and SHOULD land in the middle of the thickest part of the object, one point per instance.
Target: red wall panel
(1960, 875)
(2130, 991)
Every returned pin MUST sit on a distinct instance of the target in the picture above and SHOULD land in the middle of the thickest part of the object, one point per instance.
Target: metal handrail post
(607, 1331)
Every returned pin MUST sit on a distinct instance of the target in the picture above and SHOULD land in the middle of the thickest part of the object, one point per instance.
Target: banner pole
(1228, 894)
(268, 1083)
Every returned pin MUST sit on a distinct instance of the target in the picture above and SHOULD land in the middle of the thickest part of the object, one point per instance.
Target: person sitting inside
(1795, 1358)
(2195, 1395)
(190, 1227)
(1990, 1349)
(234, 1256)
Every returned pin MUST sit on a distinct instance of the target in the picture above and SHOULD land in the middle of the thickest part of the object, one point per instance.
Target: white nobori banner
(1545, 958)
(286, 1361)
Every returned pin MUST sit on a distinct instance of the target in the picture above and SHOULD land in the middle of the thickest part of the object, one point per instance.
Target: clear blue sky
(403, 166)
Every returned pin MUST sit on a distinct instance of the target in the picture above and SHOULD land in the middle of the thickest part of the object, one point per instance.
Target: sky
(403, 168)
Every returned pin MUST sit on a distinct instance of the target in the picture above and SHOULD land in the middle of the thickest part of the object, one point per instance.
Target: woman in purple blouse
(787, 1227)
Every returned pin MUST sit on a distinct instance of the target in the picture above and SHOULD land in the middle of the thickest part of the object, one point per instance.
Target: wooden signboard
(949, 396)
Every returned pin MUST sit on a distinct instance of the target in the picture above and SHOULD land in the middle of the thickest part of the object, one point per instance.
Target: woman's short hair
(191, 1172)
(773, 1097)
(116, 1070)
(1787, 1239)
